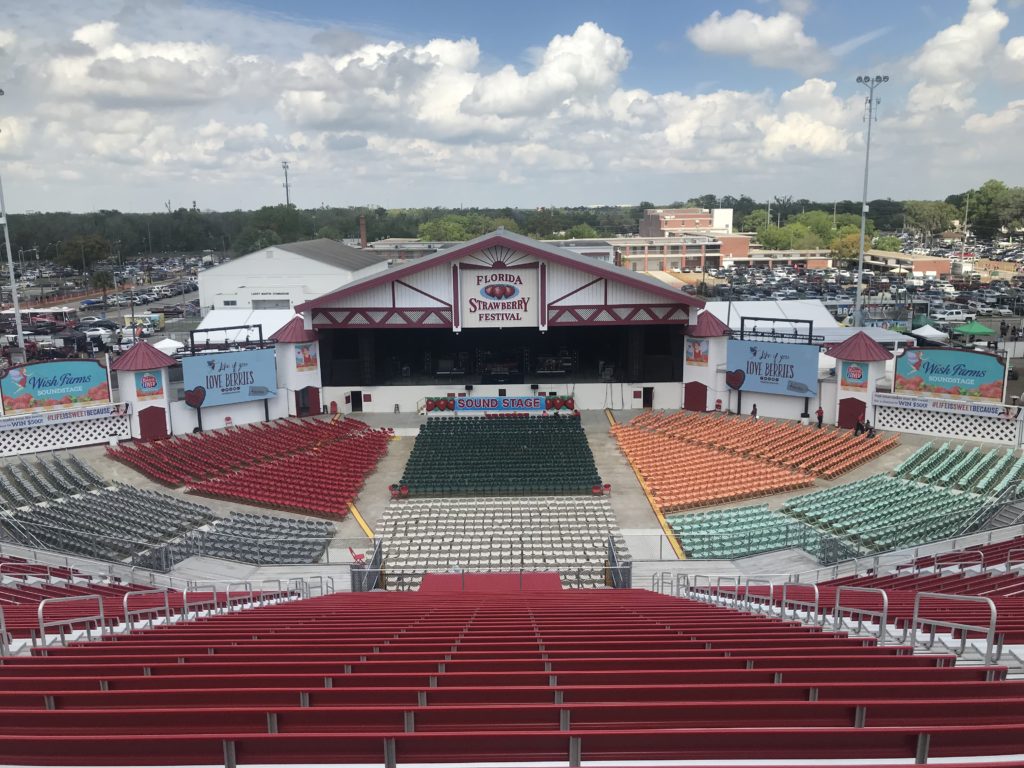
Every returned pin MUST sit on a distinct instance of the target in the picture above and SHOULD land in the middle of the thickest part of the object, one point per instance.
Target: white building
(282, 276)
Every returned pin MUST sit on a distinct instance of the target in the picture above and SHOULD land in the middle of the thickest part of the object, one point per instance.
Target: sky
(137, 104)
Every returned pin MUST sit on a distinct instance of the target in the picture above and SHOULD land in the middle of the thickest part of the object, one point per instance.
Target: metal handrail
(5, 641)
(992, 650)
(150, 611)
(1010, 562)
(961, 558)
(64, 622)
(247, 597)
(860, 613)
(759, 603)
(210, 604)
(699, 592)
(682, 582)
(812, 612)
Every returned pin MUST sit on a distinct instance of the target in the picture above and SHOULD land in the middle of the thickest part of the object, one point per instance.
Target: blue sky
(130, 104)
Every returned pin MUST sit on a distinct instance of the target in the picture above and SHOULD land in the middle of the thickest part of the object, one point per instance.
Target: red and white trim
(618, 314)
(420, 317)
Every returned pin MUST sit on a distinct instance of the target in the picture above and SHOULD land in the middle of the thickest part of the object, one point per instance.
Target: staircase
(1009, 513)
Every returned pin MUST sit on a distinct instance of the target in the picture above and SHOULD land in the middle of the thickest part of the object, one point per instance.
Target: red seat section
(498, 673)
(274, 465)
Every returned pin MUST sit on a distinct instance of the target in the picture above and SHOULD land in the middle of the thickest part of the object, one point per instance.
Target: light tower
(287, 186)
(870, 103)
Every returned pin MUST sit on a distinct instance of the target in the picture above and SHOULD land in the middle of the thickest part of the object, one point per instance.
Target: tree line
(80, 240)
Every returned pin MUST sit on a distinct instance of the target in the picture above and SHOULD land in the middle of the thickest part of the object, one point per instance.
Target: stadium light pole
(19, 331)
(870, 83)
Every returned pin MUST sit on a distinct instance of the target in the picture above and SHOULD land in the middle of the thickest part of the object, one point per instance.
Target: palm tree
(103, 280)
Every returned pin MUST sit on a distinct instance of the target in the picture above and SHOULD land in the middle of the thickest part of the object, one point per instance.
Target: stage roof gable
(504, 238)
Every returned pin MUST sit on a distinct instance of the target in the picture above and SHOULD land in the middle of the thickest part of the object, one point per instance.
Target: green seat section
(468, 455)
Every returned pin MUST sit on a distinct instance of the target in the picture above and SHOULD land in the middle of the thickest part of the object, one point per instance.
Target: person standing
(820, 413)
(753, 412)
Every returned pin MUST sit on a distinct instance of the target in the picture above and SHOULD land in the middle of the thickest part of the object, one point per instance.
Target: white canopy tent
(169, 346)
(930, 333)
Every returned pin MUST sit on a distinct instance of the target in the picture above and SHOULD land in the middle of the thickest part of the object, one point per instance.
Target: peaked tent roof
(973, 328)
(143, 356)
(860, 348)
(293, 332)
(707, 326)
(930, 332)
(502, 237)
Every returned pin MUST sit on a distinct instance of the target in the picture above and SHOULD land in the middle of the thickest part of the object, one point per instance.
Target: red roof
(860, 348)
(708, 326)
(293, 332)
(143, 356)
(504, 239)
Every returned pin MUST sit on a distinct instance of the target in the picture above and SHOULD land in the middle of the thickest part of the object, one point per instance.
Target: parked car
(953, 316)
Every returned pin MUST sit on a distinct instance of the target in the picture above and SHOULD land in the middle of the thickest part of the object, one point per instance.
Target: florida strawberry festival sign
(502, 297)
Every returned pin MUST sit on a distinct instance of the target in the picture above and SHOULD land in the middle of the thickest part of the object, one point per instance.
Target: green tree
(929, 217)
(846, 247)
(888, 243)
(581, 231)
(791, 236)
(104, 280)
(755, 221)
(819, 222)
(252, 239)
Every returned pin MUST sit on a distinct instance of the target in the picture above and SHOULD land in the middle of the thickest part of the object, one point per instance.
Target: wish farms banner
(950, 373)
(229, 377)
(772, 368)
(58, 384)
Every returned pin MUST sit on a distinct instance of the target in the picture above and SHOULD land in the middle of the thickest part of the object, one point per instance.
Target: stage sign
(481, 404)
(52, 385)
(149, 385)
(499, 297)
(772, 368)
(224, 378)
(697, 352)
(950, 373)
(853, 375)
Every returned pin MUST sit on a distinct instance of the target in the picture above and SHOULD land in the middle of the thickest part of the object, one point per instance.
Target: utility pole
(870, 103)
(287, 186)
(10, 268)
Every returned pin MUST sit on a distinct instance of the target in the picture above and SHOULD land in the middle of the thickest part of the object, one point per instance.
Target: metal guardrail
(130, 616)
(5, 640)
(811, 607)
(993, 650)
(208, 603)
(67, 621)
(860, 613)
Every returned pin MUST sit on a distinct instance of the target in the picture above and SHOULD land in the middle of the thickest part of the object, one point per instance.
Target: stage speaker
(535, 387)
(469, 387)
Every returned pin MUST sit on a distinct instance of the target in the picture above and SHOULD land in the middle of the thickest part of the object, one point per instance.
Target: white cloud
(768, 41)
(999, 121)
(575, 66)
(949, 64)
(135, 105)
